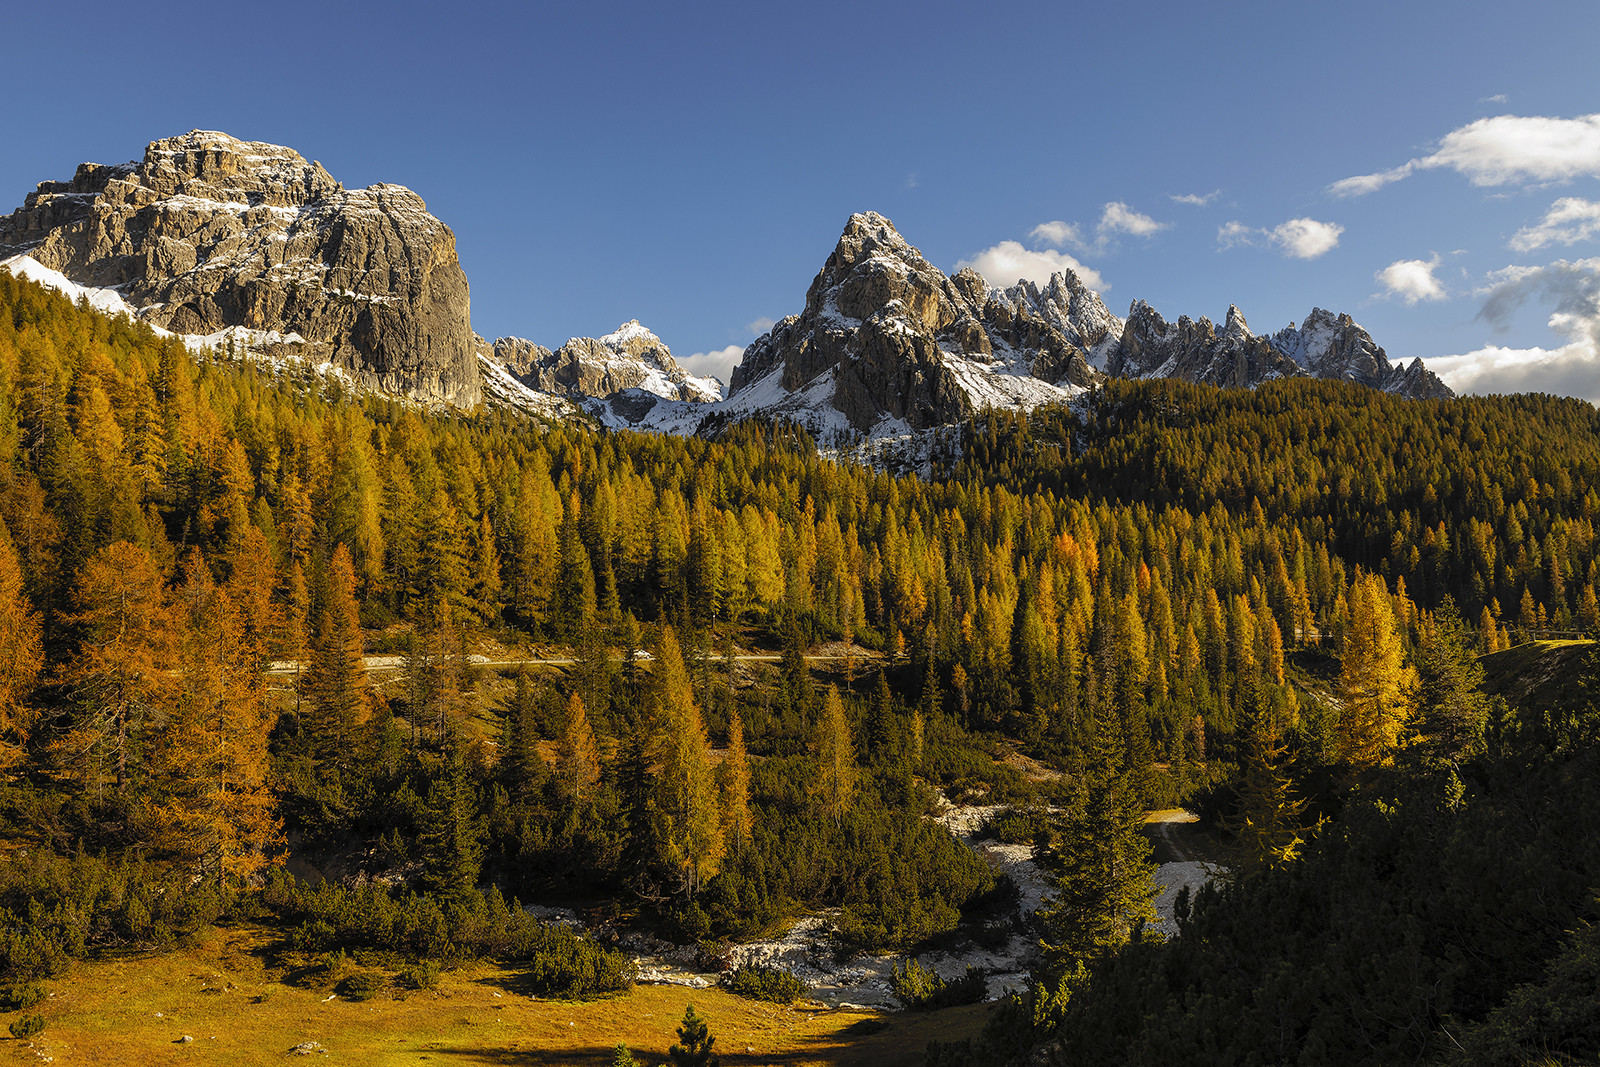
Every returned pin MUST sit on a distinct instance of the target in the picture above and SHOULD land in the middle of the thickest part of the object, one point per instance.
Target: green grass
(222, 992)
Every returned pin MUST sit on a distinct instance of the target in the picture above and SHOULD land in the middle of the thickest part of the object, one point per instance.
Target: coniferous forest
(1275, 607)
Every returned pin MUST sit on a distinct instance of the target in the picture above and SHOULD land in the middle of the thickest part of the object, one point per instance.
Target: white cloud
(1236, 233)
(1412, 280)
(1569, 220)
(1056, 233)
(760, 326)
(1497, 98)
(718, 364)
(1196, 199)
(1305, 238)
(1118, 217)
(1504, 150)
(1297, 238)
(1573, 369)
(1008, 262)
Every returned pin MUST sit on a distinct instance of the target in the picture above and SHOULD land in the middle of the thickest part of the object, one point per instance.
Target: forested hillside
(1165, 588)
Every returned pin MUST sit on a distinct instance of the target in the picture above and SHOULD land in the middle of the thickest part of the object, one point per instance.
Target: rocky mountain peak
(1330, 345)
(209, 233)
(886, 338)
(629, 358)
(1236, 327)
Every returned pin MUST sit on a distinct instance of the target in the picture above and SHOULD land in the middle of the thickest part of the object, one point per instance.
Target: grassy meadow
(225, 992)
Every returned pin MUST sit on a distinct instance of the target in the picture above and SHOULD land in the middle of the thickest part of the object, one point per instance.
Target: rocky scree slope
(208, 232)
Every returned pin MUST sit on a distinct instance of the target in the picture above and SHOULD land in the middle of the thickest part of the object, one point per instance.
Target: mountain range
(248, 245)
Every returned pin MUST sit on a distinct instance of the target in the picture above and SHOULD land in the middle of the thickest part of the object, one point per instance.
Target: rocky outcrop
(1333, 346)
(1196, 351)
(631, 358)
(208, 232)
(887, 339)
(888, 344)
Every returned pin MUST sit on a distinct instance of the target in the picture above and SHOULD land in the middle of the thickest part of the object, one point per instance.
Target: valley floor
(223, 993)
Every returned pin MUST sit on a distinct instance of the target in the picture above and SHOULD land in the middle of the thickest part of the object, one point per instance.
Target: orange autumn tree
(21, 655)
(123, 674)
(217, 813)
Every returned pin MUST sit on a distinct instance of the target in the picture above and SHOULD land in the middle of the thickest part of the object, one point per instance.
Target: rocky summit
(1333, 346)
(887, 341)
(1324, 346)
(244, 241)
(630, 358)
(208, 233)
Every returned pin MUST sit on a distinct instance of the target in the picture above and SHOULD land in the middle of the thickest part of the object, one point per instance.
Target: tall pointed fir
(733, 782)
(1105, 887)
(522, 768)
(451, 837)
(1448, 710)
(1267, 822)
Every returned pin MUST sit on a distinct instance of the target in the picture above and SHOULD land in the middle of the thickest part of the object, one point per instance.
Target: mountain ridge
(250, 244)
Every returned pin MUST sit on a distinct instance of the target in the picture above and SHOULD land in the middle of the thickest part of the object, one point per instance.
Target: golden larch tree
(122, 674)
(216, 812)
(1372, 676)
(580, 759)
(689, 823)
(837, 757)
(21, 656)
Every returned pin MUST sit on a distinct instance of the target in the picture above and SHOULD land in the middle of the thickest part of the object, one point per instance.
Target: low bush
(1013, 826)
(424, 974)
(921, 989)
(363, 985)
(764, 983)
(21, 997)
(27, 1026)
(558, 962)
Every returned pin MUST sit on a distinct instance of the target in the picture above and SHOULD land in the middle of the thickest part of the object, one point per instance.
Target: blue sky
(692, 166)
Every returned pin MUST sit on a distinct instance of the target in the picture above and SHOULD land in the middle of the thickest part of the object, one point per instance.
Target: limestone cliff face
(208, 232)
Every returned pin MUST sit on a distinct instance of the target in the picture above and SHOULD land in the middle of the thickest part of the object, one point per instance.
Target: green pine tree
(695, 1041)
(1105, 888)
